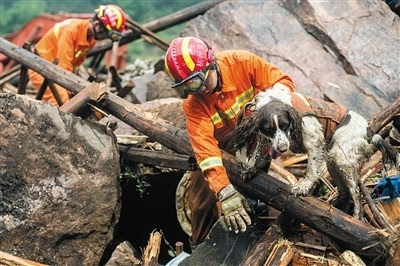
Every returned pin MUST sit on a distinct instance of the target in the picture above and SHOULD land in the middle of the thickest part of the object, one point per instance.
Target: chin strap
(219, 78)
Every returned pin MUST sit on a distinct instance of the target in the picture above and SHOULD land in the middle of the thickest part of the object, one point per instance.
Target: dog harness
(329, 114)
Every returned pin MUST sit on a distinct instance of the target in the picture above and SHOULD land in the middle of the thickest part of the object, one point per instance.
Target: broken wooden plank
(294, 159)
(125, 89)
(377, 215)
(391, 210)
(284, 173)
(370, 216)
(351, 258)
(281, 254)
(305, 245)
(110, 74)
(152, 251)
(8, 87)
(302, 258)
(93, 93)
(8, 259)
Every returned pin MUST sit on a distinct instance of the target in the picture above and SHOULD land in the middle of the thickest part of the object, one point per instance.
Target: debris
(152, 251)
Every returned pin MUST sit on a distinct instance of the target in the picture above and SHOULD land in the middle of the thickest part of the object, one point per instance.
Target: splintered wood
(281, 254)
(11, 260)
(391, 210)
(152, 251)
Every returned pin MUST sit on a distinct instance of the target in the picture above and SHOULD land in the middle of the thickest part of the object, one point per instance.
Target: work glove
(235, 209)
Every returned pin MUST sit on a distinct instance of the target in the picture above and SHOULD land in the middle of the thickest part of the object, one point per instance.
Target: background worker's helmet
(112, 17)
(187, 55)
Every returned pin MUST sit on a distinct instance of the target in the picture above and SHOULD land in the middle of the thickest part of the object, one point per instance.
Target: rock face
(159, 87)
(345, 51)
(60, 196)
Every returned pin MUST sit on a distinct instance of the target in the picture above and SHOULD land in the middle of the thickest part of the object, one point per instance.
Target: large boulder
(60, 195)
(336, 50)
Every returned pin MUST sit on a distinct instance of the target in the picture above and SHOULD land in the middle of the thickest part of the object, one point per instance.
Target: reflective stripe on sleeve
(234, 110)
(210, 162)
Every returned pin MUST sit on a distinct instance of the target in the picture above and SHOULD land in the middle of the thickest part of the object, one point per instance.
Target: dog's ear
(244, 132)
(295, 126)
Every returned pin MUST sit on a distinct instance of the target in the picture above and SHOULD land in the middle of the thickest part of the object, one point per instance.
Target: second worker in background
(71, 40)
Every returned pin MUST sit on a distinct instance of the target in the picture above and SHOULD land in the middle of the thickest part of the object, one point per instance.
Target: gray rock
(60, 194)
(159, 87)
(124, 255)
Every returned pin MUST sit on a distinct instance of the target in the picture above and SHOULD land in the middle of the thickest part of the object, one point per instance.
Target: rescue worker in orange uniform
(215, 87)
(71, 40)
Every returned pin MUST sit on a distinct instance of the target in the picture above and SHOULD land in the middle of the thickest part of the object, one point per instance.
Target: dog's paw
(248, 173)
(302, 189)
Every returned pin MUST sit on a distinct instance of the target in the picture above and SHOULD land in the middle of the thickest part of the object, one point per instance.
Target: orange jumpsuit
(66, 41)
(210, 117)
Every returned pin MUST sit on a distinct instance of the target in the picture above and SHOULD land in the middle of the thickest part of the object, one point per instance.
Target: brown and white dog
(334, 138)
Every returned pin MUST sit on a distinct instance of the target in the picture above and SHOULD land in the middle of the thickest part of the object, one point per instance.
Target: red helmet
(112, 17)
(187, 55)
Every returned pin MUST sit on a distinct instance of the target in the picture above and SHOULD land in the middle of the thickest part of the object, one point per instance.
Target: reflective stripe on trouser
(204, 206)
(37, 80)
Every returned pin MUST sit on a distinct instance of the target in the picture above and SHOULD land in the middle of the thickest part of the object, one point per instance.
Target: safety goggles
(193, 83)
(114, 35)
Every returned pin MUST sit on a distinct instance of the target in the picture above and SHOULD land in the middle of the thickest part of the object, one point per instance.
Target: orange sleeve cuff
(217, 178)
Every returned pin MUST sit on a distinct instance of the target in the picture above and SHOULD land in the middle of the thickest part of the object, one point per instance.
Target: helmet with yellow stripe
(187, 55)
(112, 17)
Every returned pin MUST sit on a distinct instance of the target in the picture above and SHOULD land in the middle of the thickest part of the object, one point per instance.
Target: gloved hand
(235, 209)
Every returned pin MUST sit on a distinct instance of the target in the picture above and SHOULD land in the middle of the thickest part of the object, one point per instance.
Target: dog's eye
(268, 130)
(284, 124)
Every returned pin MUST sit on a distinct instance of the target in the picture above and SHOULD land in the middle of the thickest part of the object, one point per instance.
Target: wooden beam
(152, 37)
(158, 158)
(55, 93)
(23, 77)
(44, 85)
(110, 74)
(115, 78)
(126, 87)
(385, 116)
(93, 93)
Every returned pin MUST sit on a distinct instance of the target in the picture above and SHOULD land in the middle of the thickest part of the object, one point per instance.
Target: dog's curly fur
(350, 147)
